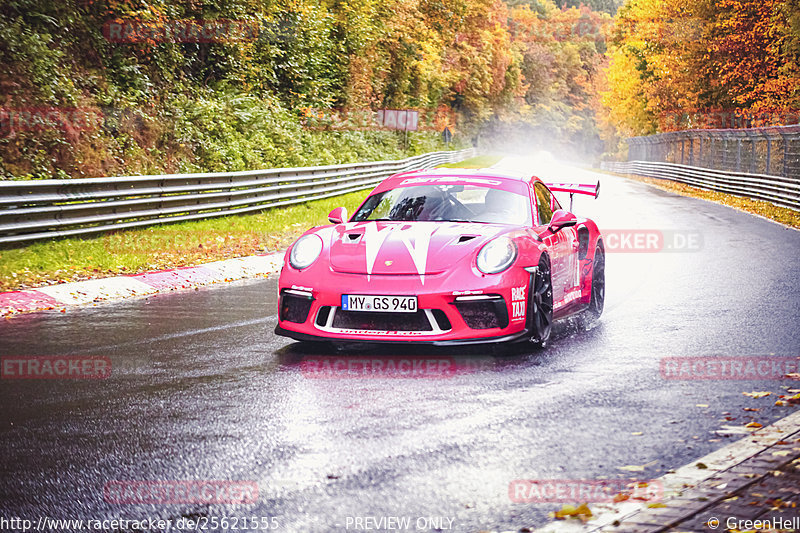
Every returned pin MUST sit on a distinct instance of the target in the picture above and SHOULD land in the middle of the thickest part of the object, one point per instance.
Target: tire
(598, 285)
(541, 304)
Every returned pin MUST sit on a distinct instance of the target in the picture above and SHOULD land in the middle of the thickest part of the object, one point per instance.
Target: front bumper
(493, 310)
(515, 337)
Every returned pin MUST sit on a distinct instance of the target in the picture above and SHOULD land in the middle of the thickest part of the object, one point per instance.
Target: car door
(569, 236)
(562, 245)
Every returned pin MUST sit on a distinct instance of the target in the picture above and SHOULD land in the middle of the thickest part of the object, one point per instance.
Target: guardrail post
(753, 151)
(785, 153)
(768, 162)
(700, 151)
(712, 151)
(725, 154)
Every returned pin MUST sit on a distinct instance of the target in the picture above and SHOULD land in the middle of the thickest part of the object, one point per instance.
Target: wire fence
(41, 209)
(769, 150)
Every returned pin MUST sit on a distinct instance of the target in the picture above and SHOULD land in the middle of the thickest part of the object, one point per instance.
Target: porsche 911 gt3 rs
(445, 256)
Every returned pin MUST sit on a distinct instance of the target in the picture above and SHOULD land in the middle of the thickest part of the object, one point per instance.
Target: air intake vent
(465, 238)
(484, 314)
(294, 308)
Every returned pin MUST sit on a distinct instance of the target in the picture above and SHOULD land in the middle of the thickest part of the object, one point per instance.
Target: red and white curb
(95, 290)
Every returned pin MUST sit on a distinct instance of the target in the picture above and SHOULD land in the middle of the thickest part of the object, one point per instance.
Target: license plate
(384, 304)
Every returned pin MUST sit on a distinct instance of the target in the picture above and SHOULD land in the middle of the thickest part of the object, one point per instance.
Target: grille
(367, 321)
(484, 314)
(295, 308)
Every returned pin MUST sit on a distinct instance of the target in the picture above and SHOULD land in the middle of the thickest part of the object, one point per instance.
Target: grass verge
(164, 246)
(783, 215)
(479, 161)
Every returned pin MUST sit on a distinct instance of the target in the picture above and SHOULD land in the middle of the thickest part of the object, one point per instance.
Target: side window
(543, 204)
(554, 205)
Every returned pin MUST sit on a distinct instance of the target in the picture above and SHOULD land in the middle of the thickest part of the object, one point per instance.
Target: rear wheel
(598, 285)
(541, 308)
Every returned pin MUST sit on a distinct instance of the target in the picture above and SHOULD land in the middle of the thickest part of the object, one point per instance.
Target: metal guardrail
(773, 150)
(40, 209)
(780, 190)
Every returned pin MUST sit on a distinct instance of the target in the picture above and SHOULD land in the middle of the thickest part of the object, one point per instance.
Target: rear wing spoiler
(590, 189)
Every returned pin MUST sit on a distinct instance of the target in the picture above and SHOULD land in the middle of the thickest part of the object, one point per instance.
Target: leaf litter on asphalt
(755, 394)
(636, 468)
(581, 512)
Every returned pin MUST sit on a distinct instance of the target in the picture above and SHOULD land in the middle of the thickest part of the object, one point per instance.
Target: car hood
(403, 248)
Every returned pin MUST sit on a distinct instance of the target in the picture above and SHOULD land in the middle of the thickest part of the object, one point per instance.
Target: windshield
(456, 203)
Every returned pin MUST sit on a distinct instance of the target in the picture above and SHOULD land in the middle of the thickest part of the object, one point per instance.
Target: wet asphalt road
(201, 389)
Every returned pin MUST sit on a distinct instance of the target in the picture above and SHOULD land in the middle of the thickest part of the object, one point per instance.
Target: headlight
(497, 255)
(305, 251)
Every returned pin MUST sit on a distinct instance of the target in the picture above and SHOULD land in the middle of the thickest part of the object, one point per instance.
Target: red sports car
(445, 256)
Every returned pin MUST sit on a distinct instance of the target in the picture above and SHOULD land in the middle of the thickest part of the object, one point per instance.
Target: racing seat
(496, 206)
(434, 208)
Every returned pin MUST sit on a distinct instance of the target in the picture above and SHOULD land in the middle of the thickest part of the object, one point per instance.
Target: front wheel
(542, 304)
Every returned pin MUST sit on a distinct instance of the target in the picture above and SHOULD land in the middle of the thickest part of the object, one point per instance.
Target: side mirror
(561, 219)
(338, 215)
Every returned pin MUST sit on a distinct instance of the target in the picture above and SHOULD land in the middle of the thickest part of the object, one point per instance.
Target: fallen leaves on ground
(581, 512)
(783, 215)
(757, 394)
(788, 400)
(636, 468)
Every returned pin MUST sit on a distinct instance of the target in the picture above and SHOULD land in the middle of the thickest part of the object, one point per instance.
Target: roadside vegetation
(284, 83)
(695, 64)
(479, 161)
(574, 78)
